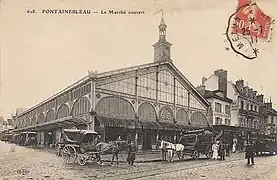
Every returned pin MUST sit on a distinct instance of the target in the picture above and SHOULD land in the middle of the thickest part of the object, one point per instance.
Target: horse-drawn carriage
(6, 136)
(196, 143)
(26, 138)
(78, 145)
(83, 145)
(265, 146)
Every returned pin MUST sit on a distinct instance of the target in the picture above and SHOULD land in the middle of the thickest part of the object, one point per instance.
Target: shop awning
(169, 126)
(116, 122)
(62, 122)
(151, 125)
(225, 128)
(183, 127)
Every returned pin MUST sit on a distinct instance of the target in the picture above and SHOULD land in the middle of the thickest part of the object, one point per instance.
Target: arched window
(22, 124)
(41, 118)
(115, 107)
(182, 117)
(166, 115)
(63, 111)
(50, 115)
(198, 119)
(147, 112)
(34, 121)
(81, 106)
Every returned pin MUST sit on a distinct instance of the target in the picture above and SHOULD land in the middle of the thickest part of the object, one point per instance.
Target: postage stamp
(248, 27)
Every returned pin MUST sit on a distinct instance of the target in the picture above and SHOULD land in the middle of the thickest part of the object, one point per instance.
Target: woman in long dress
(215, 148)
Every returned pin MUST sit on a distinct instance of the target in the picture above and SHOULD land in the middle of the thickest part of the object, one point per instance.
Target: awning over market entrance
(62, 122)
(169, 126)
(116, 122)
(153, 125)
(183, 127)
(225, 128)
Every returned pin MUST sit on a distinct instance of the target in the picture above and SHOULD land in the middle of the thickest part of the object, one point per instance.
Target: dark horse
(114, 147)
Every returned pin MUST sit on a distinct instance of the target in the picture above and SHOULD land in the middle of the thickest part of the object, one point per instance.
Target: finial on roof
(162, 20)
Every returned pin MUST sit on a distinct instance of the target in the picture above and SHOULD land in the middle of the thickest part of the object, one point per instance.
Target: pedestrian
(221, 150)
(131, 151)
(215, 150)
(235, 141)
(163, 149)
(118, 138)
(250, 153)
(227, 149)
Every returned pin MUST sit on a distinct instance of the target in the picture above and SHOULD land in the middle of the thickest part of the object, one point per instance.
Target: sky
(41, 54)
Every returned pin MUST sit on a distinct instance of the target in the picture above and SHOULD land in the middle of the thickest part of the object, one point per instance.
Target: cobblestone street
(27, 163)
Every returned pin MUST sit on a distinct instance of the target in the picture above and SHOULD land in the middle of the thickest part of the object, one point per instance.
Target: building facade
(215, 90)
(244, 107)
(268, 119)
(147, 102)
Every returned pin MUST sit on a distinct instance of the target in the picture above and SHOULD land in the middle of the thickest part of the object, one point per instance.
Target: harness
(170, 148)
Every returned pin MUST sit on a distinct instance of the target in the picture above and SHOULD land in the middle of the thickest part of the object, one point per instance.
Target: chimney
(222, 80)
(246, 91)
(250, 93)
(204, 79)
(254, 94)
(269, 105)
(260, 98)
(240, 83)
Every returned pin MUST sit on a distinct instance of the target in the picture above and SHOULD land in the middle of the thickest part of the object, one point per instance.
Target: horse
(114, 147)
(170, 148)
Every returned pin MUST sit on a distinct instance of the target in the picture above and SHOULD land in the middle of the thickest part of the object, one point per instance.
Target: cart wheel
(180, 155)
(196, 155)
(69, 154)
(82, 159)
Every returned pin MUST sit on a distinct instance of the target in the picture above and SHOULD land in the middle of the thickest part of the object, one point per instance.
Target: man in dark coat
(221, 150)
(131, 151)
(250, 153)
(163, 152)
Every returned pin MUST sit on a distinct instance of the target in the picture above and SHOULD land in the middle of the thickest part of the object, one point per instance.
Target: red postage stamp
(248, 26)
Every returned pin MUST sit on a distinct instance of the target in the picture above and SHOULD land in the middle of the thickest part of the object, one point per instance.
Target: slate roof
(212, 94)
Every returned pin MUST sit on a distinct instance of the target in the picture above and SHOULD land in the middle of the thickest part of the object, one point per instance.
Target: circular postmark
(247, 28)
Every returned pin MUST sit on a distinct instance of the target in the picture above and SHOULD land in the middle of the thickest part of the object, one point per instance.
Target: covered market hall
(147, 101)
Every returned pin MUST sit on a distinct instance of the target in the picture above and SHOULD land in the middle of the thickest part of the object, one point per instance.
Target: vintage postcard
(138, 89)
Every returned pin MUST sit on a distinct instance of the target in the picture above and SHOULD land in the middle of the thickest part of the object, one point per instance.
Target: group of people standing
(131, 150)
(220, 150)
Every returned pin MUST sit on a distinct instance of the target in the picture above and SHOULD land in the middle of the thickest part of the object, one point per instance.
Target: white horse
(170, 148)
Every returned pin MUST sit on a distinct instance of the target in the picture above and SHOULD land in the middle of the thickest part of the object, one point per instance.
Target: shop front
(111, 128)
(149, 134)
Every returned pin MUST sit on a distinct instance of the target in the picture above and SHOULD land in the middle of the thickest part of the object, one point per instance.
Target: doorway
(146, 141)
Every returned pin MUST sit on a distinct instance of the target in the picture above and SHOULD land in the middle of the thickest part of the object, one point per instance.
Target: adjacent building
(249, 115)
(145, 101)
(217, 97)
(268, 119)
